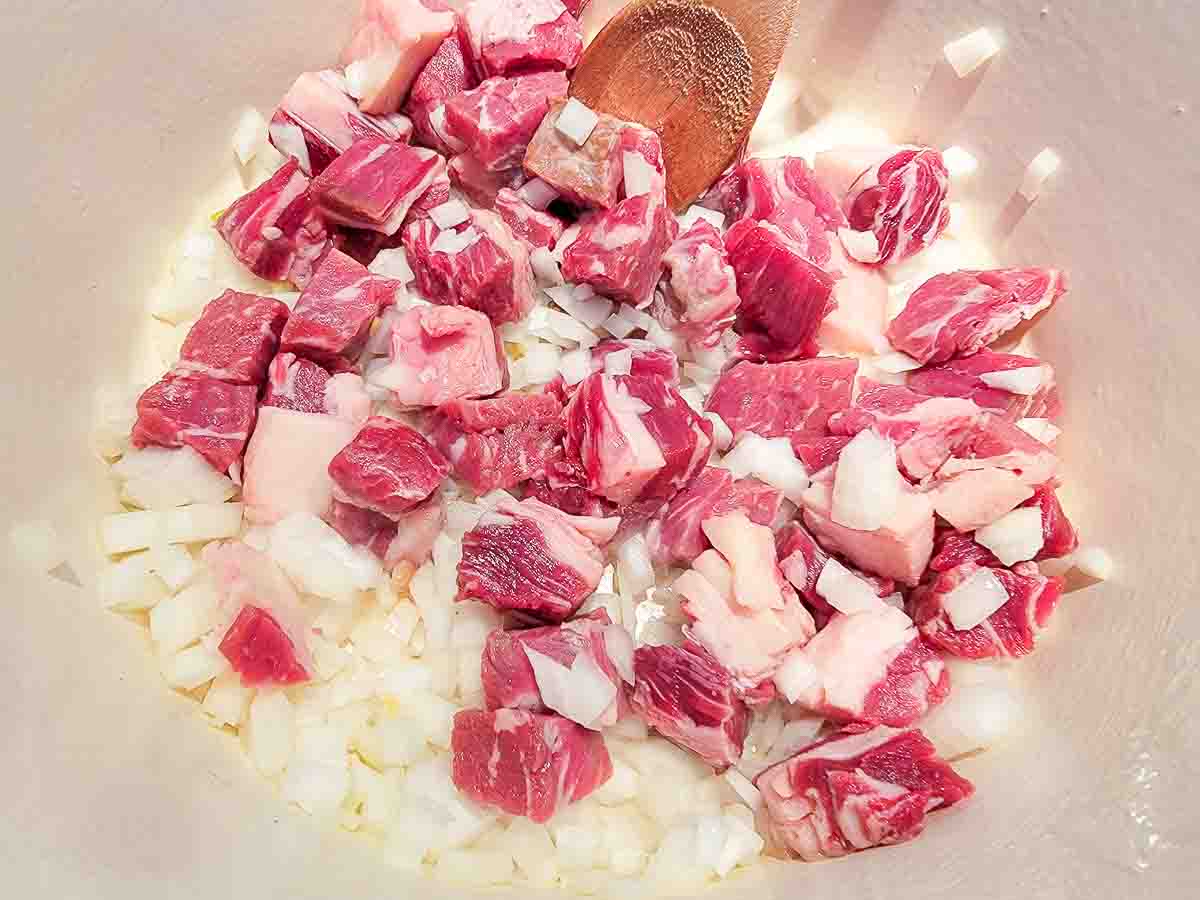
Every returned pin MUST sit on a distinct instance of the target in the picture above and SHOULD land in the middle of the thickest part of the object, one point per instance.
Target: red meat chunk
(406, 540)
(855, 790)
(388, 468)
(526, 764)
(332, 319)
(685, 695)
(317, 121)
(480, 185)
(213, 418)
(962, 312)
(234, 339)
(964, 377)
(276, 230)
(636, 437)
(531, 557)
(801, 559)
(498, 119)
(902, 202)
(783, 399)
(817, 451)
(447, 74)
(703, 288)
(295, 383)
(502, 442)
(260, 651)
(534, 227)
(784, 296)
(588, 176)
(523, 36)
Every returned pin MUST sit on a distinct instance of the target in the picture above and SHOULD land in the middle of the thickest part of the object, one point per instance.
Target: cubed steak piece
(982, 612)
(287, 463)
(572, 669)
(645, 359)
(703, 294)
(405, 541)
(375, 183)
(783, 399)
(482, 266)
(534, 227)
(1057, 535)
(212, 417)
(855, 790)
(388, 468)
(481, 186)
(687, 697)
(962, 312)
(802, 560)
(589, 175)
(332, 319)
(817, 451)
(741, 609)
(784, 296)
(533, 558)
(522, 36)
(524, 763)
(924, 429)
(260, 651)
(447, 74)
(1006, 384)
(295, 383)
(676, 535)
(499, 443)
(871, 666)
(443, 353)
(276, 230)
(318, 120)
(234, 339)
(497, 120)
(898, 207)
(636, 437)
(391, 43)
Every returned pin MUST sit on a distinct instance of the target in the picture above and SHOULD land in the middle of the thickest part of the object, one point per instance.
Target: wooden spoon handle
(695, 71)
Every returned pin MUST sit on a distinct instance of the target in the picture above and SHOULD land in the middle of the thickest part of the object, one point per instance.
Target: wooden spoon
(695, 71)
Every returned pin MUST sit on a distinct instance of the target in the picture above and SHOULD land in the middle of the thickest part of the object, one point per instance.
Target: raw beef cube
(391, 43)
(742, 611)
(839, 169)
(783, 399)
(899, 550)
(588, 176)
(859, 319)
(685, 695)
(447, 74)
(443, 353)
(276, 230)
(574, 675)
(405, 541)
(491, 275)
(784, 296)
(968, 377)
(1058, 534)
(235, 339)
(636, 437)
(1009, 631)
(480, 185)
(498, 119)
(871, 666)
(531, 557)
(522, 36)
(962, 312)
(375, 183)
(213, 418)
(500, 443)
(703, 295)
(287, 463)
(576, 7)
(801, 560)
(388, 468)
(900, 205)
(317, 121)
(817, 451)
(534, 227)
(332, 319)
(855, 790)
(524, 763)
(564, 487)
(295, 383)
(924, 429)
(260, 651)
(676, 535)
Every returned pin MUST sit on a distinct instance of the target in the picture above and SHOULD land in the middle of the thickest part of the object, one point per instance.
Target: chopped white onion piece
(970, 603)
(795, 676)
(576, 366)
(570, 328)
(357, 74)
(866, 488)
(860, 245)
(723, 436)
(203, 522)
(618, 643)
(587, 308)
(537, 193)
(635, 571)
(193, 667)
(695, 213)
(319, 560)
(896, 363)
(1025, 381)
(37, 545)
(129, 585)
(744, 788)
(694, 398)
(1041, 429)
(971, 51)
(1014, 537)
(158, 478)
(770, 460)
(393, 264)
(576, 122)
(250, 135)
(178, 621)
(959, 163)
(450, 214)
(270, 732)
(618, 325)
(619, 362)
(568, 238)
(1043, 166)
(845, 591)
(289, 140)
(1094, 562)
(639, 174)
(545, 269)
(541, 362)
(661, 337)
(452, 242)
(582, 692)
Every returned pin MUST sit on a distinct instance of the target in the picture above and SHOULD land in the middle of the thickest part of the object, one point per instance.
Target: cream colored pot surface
(117, 118)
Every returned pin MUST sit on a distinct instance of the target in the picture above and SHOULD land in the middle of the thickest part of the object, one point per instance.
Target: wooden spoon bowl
(695, 71)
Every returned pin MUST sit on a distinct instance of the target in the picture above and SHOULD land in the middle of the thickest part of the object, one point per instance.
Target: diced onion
(1095, 562)
(545, 269)
(250, 135)
(37, 545)
(619, 645)
(541, 362)
(582, 692)
(693, 396)
(570, 236)
(744, 789)
(1043, 166)
(289, 140)
(1041, 429)
(450, 214)
(570, 328)
(694, 214)
(393, 264)
(635, 571)
(845, 591)
(1014, 537)
(896, 363)
(959, 163)
(197, 665)
(590, 310)
(723, 436)
(537, 193)
(576, 122)
(1025, 381)
(618, 325)
(639, 174)
(866, 488)
(971, 51)
(319, 560)
(770, 460)
(796, 676)
(452, 242)
(158, 478)
(860, 245)
(970, 603)
(619, 362)
(270, 732)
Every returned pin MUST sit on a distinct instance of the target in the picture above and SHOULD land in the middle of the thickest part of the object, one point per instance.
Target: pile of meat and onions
(553, 538)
